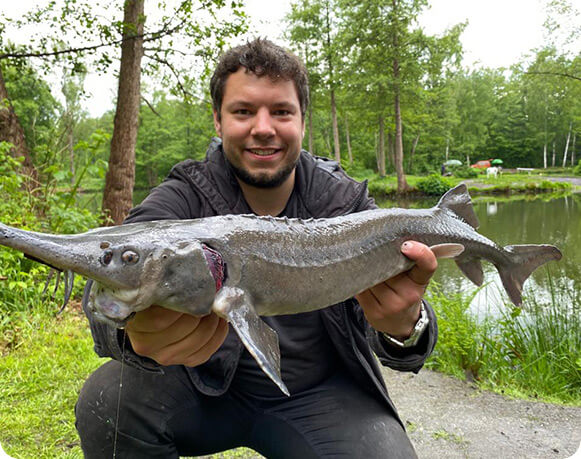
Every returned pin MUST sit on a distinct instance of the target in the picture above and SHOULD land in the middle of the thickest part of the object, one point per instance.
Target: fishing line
(119, 395)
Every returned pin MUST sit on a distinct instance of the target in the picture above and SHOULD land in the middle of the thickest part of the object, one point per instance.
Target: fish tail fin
(457, 200)
(524, 259)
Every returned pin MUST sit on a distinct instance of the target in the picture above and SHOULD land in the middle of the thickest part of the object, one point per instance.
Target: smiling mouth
(264, 151)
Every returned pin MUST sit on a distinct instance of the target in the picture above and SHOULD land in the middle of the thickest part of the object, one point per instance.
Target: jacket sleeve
(173, 199)
(408, 359)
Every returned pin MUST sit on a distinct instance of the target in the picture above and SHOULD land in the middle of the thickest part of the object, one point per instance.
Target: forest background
(386, 96)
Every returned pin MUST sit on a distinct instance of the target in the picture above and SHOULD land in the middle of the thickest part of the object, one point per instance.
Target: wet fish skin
(274, 265)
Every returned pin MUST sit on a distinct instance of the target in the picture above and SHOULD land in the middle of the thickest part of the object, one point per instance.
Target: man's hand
(174, 338)
(393, 306)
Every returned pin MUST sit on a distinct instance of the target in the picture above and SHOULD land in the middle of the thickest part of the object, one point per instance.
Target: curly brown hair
(263, 58)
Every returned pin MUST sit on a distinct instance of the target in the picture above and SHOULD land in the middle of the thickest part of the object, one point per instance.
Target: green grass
(533, 352)
(44, 362)
(505, 183)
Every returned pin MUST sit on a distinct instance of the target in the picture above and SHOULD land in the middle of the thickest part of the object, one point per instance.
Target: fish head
(175, 276)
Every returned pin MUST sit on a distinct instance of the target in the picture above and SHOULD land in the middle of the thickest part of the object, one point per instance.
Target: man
(187, 386)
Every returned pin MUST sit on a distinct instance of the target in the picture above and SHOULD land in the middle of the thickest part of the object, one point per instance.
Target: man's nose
(263, 124)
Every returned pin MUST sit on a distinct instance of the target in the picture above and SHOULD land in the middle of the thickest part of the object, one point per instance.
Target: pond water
(524, 220)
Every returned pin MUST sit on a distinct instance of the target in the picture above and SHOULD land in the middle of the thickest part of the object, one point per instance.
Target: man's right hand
(174, 338)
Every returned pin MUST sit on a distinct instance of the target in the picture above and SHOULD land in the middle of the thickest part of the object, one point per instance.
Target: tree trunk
(567, 145)
(118, 195)
(381, 148)
(545, 156)
(391, 149)
(311, 142)
(336, 146)
(71, 149)
(402, 185)
(447, 148)
(11, 131)
(573, 150)
(554, 154)
(413, 152)
(350, 153)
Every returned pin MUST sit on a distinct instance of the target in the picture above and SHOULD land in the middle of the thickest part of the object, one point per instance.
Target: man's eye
(242, 111)
(282, 113)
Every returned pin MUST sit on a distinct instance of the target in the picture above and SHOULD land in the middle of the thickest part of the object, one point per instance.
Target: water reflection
(523, 221)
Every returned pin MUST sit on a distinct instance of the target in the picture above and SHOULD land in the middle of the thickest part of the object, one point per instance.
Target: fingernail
(406, 246)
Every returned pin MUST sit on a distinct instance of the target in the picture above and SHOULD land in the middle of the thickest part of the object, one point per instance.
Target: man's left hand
(393, 306)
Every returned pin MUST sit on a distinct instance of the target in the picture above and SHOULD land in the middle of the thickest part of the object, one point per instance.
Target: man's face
(261, 128)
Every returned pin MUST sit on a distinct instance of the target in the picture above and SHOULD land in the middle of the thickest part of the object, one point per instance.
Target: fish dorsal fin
(458, 201)
(447, 250)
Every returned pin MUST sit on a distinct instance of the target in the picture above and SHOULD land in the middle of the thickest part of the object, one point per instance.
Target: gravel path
(448, 418)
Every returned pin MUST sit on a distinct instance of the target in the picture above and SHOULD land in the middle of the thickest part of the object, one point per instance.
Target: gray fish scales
(272, 266)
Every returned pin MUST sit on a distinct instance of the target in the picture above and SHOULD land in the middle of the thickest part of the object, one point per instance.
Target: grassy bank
(532, 352)
(503, 185)
(44, 361)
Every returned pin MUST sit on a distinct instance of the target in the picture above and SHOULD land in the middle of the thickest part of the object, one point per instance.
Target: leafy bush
(577, 168)
(434, 184)
(464, 172)
(48, 209)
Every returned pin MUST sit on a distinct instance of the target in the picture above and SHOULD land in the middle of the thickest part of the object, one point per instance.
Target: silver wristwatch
(417, 332)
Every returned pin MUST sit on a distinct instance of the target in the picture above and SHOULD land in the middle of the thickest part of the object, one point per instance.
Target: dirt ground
(448, 418)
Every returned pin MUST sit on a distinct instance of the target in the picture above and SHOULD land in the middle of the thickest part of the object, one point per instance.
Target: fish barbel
(246, 266)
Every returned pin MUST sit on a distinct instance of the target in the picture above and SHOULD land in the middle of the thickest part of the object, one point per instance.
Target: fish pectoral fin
(448, 250)
(261, 341)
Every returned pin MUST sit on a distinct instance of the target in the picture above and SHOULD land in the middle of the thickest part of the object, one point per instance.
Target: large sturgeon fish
(244, 266)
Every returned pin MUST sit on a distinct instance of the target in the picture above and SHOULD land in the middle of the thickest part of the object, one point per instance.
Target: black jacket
(201, 189)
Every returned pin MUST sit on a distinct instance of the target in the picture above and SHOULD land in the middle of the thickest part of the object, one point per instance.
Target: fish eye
(130, 257)
(106, 257)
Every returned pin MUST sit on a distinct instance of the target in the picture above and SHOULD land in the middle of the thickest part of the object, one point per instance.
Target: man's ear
(303, 131)
(217, 124)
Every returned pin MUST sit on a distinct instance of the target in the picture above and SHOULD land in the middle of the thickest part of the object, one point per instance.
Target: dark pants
(164, 416)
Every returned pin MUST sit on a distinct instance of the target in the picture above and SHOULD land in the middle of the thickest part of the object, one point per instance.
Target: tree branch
(150, 106)
(147, 37)
(554, 74)
(158, 59)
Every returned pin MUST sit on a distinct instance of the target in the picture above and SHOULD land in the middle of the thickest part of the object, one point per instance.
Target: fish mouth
(113, 322)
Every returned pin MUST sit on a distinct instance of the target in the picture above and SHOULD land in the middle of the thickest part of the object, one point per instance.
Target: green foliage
(172, 132)
(44, 363)
(33, 103)
(50, 209)
(464, 172)
(535, 351)
(577, 169)
(434, 184)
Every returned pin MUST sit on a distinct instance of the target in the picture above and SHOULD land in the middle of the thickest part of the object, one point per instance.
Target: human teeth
(262, 152)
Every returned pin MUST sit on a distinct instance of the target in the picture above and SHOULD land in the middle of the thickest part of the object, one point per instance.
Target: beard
(263, 180)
